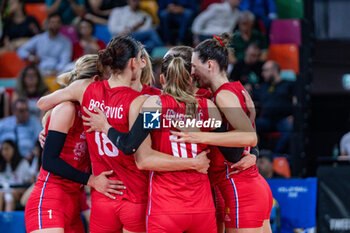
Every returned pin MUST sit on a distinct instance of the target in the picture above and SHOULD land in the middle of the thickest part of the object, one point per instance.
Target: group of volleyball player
(150, 180)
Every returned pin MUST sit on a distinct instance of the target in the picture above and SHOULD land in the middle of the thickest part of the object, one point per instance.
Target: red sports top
(179, 191)
(74, 152)
(115, 102)
(218, 171)
(205, 93)
(148, 90)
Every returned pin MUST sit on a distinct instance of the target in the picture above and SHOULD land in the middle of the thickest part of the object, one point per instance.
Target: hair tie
(218, 38)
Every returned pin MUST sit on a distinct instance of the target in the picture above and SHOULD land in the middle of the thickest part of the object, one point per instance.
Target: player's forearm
(158, 161)
(49, 101)
(229, 139)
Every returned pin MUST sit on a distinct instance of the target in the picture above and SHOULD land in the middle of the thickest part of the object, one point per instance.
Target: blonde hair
(178, 80)
(85, 67)
(147, 77)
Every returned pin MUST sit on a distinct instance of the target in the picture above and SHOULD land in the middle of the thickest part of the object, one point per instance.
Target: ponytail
(178, 80)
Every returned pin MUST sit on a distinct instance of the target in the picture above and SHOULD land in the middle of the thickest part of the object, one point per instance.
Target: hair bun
(106, 57)
(225, 38)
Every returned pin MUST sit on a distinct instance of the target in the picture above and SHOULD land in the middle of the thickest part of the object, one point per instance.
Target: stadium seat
(285, 31)
(288, 75)
(290, 9)
(10, 65)
(70, 32)
(286, 55)
(8, 82)
(281, 166)
(101, 32)
(151, 7)
(12, 222)
(159, 52)
(38, 10)
(51, 83)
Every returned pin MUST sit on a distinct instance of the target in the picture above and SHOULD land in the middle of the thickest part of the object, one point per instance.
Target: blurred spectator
(178, 12)
(247, 35)
(87, 44)
(131, 20)
(275, 97)
(68, 9)
(51, 50)
(217, 19)
(18, 27)
(248, 71)
(264, 10)
(30, 86)
(14, 170)
(265, 165)
(22, 128)
(4, 103)
(98, 11)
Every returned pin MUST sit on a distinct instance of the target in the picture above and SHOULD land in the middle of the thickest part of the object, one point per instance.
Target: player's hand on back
(106, 186)
(250, 106)
(190, 137)
(246, 162)
(202, 162)
(96, 121)
(42, 138)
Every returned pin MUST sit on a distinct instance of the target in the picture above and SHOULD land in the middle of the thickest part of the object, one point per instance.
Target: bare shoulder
(62, 117)
(226, 98)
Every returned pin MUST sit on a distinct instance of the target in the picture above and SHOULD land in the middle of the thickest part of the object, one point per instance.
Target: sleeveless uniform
(128, 210)
(205, 93)
(148, 90)
(55, 201)
(179, 201)
(248, 198)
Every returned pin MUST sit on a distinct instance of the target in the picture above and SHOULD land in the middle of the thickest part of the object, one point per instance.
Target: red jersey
(148, 90)
(218, 170)
(205, 93)
(74, 152)
(179, 191)
(115, 102)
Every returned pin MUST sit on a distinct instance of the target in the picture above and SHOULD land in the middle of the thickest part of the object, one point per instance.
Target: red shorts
(52, 205)
(268, 190)
(109, 216)
(179, 223)
(247, 201)
(84, 204)
(219, 205)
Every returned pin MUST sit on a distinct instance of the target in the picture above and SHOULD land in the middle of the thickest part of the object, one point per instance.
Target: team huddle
(165, 179)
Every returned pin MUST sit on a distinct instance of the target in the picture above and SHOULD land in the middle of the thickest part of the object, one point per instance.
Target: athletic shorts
(219, 205)
(248, 202)
(268, 213)
(84, 204)
(179, 223)
(51, 205)
(110, 216)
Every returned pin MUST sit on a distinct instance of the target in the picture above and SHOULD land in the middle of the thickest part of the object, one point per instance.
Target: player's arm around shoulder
(229, 105)
(73, 92)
